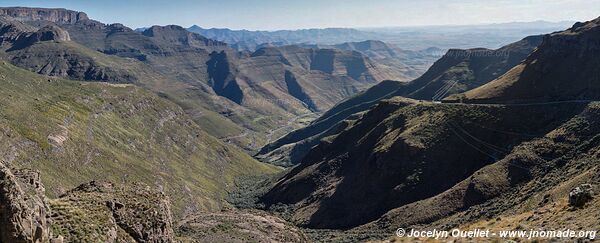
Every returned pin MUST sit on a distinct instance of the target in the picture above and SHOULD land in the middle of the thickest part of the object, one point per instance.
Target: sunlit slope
(80, 131)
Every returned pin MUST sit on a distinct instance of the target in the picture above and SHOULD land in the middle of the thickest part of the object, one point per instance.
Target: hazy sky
(296, 14)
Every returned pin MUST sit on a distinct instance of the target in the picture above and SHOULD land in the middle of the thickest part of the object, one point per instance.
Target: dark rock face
(57, 15)
(47, 33)
(11, 30)
(18, 35)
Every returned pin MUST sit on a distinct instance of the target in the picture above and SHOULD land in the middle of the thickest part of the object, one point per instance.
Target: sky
(300, 14)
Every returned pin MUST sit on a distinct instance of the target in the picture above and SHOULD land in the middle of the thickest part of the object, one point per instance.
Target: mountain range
(239, 97)
(456, 72)
(413, 38)
(118, 135)
(501, 156)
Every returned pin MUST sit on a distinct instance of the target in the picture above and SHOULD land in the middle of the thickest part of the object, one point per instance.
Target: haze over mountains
(118, 135)
(408, 38)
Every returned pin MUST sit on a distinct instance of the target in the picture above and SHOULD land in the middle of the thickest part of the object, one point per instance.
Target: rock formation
(56, 15)
(50, 33)
(24, 209)
(581, 195)
(92, 211)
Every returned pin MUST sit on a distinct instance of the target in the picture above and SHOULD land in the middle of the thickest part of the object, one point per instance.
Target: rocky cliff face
(91, 212)
(56, 15)
(177, 35)
(24, 211)
(133, 213)
(17, 35)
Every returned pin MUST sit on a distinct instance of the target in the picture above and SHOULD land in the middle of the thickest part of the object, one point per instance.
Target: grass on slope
(75, 132)
(74, 60)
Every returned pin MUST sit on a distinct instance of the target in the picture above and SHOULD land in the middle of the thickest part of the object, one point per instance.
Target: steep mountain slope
(239, 97)
(564, 67)
(79, 131)
(534, 179)
(424, 165)
(455, 72)
(392, 156)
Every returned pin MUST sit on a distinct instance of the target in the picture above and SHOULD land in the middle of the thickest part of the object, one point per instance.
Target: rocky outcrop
(24, 211)
(580, 195)
(92, 211)
(15, 35)
(133, 212)
(50, 33)
(179, 36)
(56, 15)
(11, 30)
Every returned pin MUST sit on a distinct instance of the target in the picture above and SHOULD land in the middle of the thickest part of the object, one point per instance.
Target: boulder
(580, 195)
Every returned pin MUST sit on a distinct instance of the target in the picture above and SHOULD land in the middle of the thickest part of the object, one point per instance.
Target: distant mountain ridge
(564, 67)
(491, 36)
(457, 71)
(406, 62)
(251, 39)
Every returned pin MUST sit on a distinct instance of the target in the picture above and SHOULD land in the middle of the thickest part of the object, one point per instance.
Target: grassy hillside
(80, 131)
(527, 189)
(563, 67)
(243, 98)
(394, 154)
